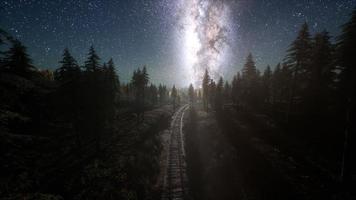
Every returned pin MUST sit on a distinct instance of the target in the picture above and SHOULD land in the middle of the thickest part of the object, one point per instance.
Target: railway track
(174, 183)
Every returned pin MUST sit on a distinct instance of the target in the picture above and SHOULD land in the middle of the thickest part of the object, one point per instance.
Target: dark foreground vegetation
(294, 125)
(77, 133)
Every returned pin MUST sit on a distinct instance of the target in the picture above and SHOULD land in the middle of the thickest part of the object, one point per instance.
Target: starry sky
(147, 32)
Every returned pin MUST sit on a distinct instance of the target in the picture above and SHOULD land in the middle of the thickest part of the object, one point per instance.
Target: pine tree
(205, 86)
(92, 64)
(191, 94)
(267, 84)
(249, 72)
(110, 91)
(4, 38)
(219, 95)
(236, 89)
(153, 94)
(174, 95)
(69, 68)
(227, 91)
(322, 73)
(299, 60)
(211, 93)
(249, 82)
(17, 60)
(162, 91)
(346, 48)
(145, 77)
(299, 54)
(113, 77)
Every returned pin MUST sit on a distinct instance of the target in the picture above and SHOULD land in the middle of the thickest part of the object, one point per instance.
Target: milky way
(204, 26)
(176, 39)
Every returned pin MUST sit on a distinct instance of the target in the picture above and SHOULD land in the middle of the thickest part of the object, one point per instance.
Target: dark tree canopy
(17, 60)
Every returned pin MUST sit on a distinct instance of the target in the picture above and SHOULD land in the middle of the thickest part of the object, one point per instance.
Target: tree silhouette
(162, 91)
(322, 74)
(346, 59)
(111, 90)
(227, 91)
(174, 95)
(17, 60)
(267, 84)
(92, 62)
(299, 59)
(69, 68)
(249, 81)
(236, 89)
(139, 81)
(211, 93)
(205, 86)
(191, 94)
(153, 94)
(219, 95)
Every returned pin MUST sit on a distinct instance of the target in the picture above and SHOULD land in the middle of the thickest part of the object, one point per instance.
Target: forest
(78, 132)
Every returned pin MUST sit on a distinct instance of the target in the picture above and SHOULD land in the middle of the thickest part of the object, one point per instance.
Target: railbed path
(175, 179)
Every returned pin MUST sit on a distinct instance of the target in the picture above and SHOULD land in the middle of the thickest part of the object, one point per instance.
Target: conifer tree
(249, 71)
(17, 60)
(211, 93)
(322, 73)
(174, 95)
(227, 91)
(299, 60)
(191, 94)
(69, 68)
(219, 95)
(92, 64)
(249, 82)
(205, 86)
(153, 94)
(266, 84)
(346, 48)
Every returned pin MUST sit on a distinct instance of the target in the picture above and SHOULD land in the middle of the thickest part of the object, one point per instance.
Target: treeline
(56, 125)
(88, 97)
(315, 78)
(310, 95)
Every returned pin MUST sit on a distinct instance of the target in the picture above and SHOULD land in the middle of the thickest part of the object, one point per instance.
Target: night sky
(138, 32)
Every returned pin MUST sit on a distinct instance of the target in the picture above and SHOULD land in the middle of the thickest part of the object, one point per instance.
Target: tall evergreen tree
(299, 60)
(205, 87)
(227, 91)
(92, 64)
(113, 77)
(267, 84)
(191, 94)
(346, 48)
(153, 94)
(219, 95)
(249, 71)
(322, 73)
(211, 93)
(249, 79)
(162, 91)
(174, 95)
(236, 89)
(69, 68)
(17, 60)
